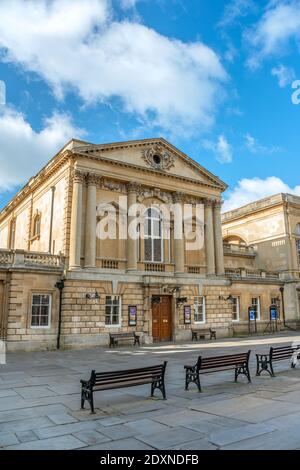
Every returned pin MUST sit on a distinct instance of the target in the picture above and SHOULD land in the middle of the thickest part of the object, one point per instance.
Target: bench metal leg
(263, 363)
(87, 395)
(191, 376)
(160, 384)
(242, 370)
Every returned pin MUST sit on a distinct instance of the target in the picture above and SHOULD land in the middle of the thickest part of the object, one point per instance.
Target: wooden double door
(162, 319)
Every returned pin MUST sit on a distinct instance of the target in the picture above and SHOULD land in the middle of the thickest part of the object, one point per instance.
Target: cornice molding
(58, 162)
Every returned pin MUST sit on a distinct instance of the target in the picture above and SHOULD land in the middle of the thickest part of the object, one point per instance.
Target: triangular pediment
(153, 154)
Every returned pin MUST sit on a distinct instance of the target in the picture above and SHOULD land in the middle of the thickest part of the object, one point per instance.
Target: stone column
(219, 253)
(76, 220)
(131, 246)
(90, 222)
(209, 238)
(179, 242)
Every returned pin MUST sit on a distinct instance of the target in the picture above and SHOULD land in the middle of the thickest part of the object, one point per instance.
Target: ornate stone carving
(92, 179)
(155, 192)
(112, 185)
(133, 187)
(79, 177)
(158, 158)
(178, 197)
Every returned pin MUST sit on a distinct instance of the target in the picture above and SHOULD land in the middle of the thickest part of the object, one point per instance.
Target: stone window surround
(119, 325)
(203, 310)
(238, 305)
(40, 293)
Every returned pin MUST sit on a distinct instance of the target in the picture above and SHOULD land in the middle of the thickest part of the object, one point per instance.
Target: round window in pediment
(157, 159)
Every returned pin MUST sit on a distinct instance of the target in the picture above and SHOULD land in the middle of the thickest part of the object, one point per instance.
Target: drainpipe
(60, 286)
(51, 219)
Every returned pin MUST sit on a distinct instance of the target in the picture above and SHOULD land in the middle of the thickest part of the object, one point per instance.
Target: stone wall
(20, 334)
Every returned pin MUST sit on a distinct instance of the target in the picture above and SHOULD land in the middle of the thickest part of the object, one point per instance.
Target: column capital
(79, 176)
(178, 196)
(92, 179)
(133, 187)
(218, 204)
(209, 202)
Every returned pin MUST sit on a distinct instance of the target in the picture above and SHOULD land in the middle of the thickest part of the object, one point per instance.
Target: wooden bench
(99, 381)
(203, 332)
(264, 362)
(114, 338)
(207, 365)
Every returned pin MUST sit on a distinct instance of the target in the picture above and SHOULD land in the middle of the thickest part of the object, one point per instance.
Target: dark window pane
(34, 320)
(36, 299)
(148, 249)
(45, 299)
(44, 321)
(157, 250)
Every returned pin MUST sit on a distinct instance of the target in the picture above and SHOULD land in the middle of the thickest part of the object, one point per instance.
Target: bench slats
(132, 376)
(129, 371)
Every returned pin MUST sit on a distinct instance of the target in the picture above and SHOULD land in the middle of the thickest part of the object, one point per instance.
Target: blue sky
(213, 77)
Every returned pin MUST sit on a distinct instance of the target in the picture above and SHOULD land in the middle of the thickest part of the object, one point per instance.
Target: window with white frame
(235, 308)
(40, 310)
(255, 302)
(113, 310)
(199, 310)
(153, 236)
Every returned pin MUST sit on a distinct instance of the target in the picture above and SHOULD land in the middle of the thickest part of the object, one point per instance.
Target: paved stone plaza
(40, 401)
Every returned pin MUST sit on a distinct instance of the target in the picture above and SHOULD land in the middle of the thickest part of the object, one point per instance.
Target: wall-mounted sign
(187, 312)
(252, 313)
(132, 315)
(273, 313)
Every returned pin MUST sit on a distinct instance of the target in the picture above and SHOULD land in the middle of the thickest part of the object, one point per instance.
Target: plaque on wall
(132, 315)
(273, 313)
(187, 311)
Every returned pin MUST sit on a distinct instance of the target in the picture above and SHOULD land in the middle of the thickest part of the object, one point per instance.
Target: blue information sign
(252, 314)
(273, 313)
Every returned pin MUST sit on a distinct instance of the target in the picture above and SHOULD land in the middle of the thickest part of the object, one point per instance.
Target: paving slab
(62, 418)
(228, 436)
(26, 436)
(23, 425)
(55, 443)
(170, 438)
(122, 444)
(146, 426)
(91, 436)
(7, 439)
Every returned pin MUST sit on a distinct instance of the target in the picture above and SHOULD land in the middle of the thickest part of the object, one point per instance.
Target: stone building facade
(267, 234)
(152, 284)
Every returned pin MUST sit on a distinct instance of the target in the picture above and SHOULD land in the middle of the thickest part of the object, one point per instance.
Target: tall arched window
(153, 236)
(36, 225)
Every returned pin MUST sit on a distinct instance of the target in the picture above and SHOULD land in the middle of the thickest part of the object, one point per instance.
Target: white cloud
(222, 149)
(254, 146)
(78, 45)
(250, 190)
(285, 75)
(236, 9)
(23, 151)
(128, 3)
(271, 35)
